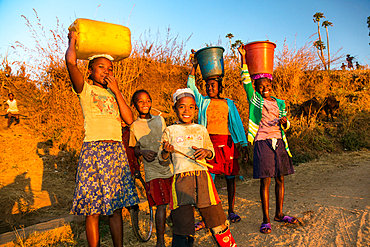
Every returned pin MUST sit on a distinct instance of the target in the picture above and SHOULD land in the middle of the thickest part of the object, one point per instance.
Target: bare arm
(71, 62)
(242, 55)
(194, 62)
(124, 109)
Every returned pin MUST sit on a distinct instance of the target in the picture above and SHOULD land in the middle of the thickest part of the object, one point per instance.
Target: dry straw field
(158, 63)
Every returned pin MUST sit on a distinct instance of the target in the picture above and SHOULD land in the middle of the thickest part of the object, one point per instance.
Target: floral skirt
(103, 180)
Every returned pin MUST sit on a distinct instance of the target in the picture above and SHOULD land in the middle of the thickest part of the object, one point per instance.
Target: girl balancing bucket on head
(260, 58)
(266, 129)
(97, 37)
(211, 61)
(222, 120)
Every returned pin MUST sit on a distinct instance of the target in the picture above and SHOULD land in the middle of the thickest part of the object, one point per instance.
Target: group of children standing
(103, 181)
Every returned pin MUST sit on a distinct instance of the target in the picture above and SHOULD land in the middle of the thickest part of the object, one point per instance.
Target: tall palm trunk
(327, 43)
(321, 50)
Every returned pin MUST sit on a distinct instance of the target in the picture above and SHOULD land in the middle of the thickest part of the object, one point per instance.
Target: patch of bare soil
(36, 179)
(330, 197)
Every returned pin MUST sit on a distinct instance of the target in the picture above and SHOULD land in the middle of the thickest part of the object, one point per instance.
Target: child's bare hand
(193, 59)
(72, 36)
(112, 83)
(242, 50)
(201, 153)
(149, 155)
(283, 120)
(245, 154)
(167, 147)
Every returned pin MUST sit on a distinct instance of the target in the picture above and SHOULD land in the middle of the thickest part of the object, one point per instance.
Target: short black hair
(133, 98)
(10, 94)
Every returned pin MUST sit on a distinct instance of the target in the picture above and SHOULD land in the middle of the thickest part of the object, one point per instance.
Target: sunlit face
(185, 109)
(11, 96)
(99, 71)
(264, 87)
(212, 88)
(143, 103)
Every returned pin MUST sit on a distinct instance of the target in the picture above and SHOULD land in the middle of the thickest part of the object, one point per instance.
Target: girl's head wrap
(263, 75)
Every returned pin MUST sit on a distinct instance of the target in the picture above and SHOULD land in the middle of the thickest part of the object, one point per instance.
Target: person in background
(349, 60)
(12, 110)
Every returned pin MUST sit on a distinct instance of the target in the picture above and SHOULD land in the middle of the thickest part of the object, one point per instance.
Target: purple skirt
(270, 163)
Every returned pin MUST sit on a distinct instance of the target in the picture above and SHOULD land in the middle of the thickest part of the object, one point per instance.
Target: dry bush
(160, 65)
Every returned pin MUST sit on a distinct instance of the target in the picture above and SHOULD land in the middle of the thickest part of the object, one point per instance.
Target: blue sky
(205, 21)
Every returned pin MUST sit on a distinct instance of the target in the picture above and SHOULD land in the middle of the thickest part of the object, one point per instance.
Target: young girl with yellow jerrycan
(97, 37)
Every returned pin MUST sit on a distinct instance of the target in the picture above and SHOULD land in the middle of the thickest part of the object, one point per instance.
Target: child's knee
(183, 220)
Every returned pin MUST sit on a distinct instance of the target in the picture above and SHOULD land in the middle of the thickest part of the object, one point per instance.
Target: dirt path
(330, 196)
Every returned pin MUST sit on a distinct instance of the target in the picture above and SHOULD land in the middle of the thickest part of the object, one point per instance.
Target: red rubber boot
(225, 239)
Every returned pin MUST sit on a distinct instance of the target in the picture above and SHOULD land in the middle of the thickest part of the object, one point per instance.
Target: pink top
(269, 126)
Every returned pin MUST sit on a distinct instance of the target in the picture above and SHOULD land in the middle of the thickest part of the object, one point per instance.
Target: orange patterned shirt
(217, 117)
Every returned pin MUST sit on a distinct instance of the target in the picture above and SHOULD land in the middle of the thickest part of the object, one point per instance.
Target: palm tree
(317, 17)
(230, 36)
(326, 24)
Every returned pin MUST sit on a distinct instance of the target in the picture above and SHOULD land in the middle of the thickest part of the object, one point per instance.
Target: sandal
(234, 217)
(199, 226)
(265, 228)
(288, 219)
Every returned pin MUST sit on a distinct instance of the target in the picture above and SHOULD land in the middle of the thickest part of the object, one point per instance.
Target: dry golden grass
(61, 236)
(160, 65)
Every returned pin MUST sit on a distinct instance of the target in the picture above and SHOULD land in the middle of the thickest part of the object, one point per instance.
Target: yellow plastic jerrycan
(97, 37)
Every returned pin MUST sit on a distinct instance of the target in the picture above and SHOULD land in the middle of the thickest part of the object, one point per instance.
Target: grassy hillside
(161, 66)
